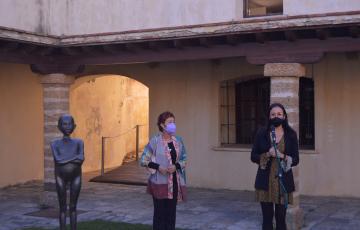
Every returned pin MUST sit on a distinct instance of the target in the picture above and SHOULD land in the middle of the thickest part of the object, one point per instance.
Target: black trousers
(165, 210)
(267, 209)
(164, 214)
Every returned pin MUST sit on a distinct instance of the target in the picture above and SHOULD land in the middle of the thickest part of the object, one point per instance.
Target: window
(263, 7)
(306, 109)
(244, 107)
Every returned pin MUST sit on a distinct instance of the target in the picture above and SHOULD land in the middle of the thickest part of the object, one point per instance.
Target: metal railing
(137, 142)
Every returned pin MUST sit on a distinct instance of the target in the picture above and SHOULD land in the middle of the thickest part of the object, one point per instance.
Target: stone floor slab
(205, 209)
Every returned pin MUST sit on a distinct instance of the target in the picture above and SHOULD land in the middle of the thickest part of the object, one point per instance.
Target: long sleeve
(183, 155)
(294, 150)
(255, 151)
(264, 159)
(147, 155)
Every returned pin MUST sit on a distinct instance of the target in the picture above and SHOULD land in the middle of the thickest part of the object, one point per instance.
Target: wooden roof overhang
(303, 44)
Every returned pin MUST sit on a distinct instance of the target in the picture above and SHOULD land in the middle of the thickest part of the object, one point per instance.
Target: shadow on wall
(109, 105)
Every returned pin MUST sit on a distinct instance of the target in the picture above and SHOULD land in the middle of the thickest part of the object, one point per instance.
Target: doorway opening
(112, 116)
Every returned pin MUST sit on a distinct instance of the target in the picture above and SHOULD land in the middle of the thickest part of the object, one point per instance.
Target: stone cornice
(7, 33)
(247, 25)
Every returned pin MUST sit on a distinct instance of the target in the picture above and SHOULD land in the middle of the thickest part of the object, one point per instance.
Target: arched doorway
(112, 113)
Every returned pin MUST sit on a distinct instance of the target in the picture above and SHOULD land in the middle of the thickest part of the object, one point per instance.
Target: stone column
(285, 90)
(55, 102)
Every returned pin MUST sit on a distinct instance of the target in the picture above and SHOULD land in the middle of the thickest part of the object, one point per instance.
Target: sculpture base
(294, 218)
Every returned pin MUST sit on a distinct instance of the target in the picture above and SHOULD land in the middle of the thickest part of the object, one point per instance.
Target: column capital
(57, 78)
(284, 70)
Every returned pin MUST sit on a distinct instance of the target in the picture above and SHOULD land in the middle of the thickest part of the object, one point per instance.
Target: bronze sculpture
(68, 157)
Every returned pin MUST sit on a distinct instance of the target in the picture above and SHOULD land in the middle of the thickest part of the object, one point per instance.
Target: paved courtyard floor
(205, 209)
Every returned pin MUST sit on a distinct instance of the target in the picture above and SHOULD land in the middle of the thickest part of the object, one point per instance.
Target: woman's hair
(285, 125)
(162, 118)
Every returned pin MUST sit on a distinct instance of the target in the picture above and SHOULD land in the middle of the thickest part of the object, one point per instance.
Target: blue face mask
(170, 128)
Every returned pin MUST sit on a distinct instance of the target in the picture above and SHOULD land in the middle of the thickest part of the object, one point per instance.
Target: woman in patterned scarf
(165, 157)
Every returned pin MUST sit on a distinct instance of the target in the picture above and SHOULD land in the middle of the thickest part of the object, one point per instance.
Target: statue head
(66, 124)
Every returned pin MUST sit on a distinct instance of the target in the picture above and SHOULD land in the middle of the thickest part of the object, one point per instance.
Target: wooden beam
(204, 42)
(9, 47)
(178, 44)
(113, 49)
(290, 57)
(290, 35)
(45, 51)
(153, 65)
(354, 31)
(322, 34)
(232, 39)
(56, 68)
(91, 50)
(22, 59)
(303, 50)
(29, 49)
(182, 43)
(71, 51)
(260, 37)
(152, 45)
(307, 49)
(131, 47)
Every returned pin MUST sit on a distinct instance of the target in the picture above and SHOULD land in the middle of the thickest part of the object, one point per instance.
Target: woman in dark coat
(274, 191)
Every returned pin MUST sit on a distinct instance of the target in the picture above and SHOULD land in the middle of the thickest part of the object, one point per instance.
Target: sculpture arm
(54, 150)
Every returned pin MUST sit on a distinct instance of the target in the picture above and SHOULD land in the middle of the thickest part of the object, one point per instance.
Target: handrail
(136, 145)
(127, 131)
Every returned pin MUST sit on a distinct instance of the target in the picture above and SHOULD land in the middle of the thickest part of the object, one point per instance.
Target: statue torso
(68, 150)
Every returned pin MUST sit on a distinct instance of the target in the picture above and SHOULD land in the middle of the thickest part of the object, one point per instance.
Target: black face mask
(276, 121)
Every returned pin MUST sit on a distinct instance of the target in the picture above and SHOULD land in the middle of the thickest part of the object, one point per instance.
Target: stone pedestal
(285, 90)
(55, 103)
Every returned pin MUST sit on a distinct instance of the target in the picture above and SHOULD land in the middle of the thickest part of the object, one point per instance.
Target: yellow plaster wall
(334, 169)
(21, 122)
(191, 91)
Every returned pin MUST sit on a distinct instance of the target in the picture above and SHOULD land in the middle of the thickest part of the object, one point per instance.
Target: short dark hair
(162, 118)
(65, 116)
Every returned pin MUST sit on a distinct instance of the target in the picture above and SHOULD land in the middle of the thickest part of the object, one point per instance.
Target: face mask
(276, 121)
(170, 128)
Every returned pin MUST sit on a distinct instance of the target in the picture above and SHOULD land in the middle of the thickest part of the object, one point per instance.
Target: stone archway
(57, 88)
(108, 107)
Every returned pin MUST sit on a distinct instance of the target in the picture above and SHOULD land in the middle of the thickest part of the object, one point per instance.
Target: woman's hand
(163, 171)
(273, 154)
(171, 169)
